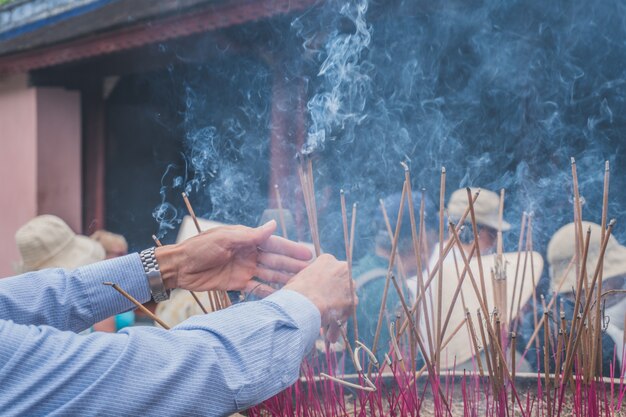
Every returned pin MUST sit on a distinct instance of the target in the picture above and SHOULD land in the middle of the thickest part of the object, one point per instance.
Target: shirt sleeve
(73, 300)
(211, 365)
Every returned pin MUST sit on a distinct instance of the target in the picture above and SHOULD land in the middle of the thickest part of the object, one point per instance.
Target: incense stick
(442, 195)
(392, 257)
(596, 355)
(281, 216)
(138, 304)
(346, 239)
(416, 249)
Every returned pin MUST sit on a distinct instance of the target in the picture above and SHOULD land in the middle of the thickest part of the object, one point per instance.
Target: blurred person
(370, 272)
(486, 212)
(501, 293)
(211, 364)
(46, 241)
(561, 250)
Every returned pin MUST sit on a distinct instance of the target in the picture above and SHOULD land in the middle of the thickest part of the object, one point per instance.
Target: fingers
(260, 234)
(277, 244)
(281, 262)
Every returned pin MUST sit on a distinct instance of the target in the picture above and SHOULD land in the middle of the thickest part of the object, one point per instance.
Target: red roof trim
(217, 17)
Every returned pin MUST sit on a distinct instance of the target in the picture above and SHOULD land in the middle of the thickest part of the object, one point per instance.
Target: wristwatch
(155, 280)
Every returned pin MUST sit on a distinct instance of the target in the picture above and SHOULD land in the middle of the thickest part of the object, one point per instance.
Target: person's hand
(326, 282)
(226, 258)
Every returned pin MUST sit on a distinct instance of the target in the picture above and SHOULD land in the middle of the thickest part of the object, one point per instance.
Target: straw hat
(48, 242)
(562, 247)
(112, 243)
(460, 346)
(486, 208)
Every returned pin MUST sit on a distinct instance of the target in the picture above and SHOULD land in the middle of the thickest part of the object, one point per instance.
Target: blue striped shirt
(209, 365)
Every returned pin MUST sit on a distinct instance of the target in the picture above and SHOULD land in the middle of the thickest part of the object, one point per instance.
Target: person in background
(370, 272)
(486, 212)
(114, 245)
(561, 250)
(48, 242)
(212, 364)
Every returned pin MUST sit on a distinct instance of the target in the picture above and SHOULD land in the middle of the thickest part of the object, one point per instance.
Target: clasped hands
(228, 257)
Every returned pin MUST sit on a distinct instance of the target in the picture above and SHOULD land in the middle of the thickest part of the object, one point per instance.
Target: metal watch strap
(155, 280)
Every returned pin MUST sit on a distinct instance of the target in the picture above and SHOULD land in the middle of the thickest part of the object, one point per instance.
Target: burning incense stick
(346, 239)
(442, 197)
(138, 304)
(416, 249)
(596, 355)
(281, 215)
(478, 257)
(191, 212)
(519, 254)
(392, 257)
(156, 240)
(546, 361)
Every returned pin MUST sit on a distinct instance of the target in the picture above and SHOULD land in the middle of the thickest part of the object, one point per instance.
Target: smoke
(340, 103)
(500, 93)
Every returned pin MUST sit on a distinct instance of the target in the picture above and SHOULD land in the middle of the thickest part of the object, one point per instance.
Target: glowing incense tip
(156, 240)
(606, 166)
(341, 191)
(573, 161)
(354, 205)
(443, 170)
(612, 222)
(276, 186)
(404, 165)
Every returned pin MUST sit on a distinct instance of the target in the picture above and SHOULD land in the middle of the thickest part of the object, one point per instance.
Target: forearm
(210, 365)
(72, 300)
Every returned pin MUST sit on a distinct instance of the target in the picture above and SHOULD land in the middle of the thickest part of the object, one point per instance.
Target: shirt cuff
(125, 271)
(302, 311)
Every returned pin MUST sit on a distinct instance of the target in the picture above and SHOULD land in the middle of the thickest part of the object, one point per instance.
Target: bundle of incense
(305, 172)
(218, 299)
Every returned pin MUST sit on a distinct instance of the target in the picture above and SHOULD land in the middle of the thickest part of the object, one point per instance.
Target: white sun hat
(486, 208)
(48, 242)
(562, 248)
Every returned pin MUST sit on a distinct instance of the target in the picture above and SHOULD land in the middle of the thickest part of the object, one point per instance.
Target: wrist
(167, 257)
